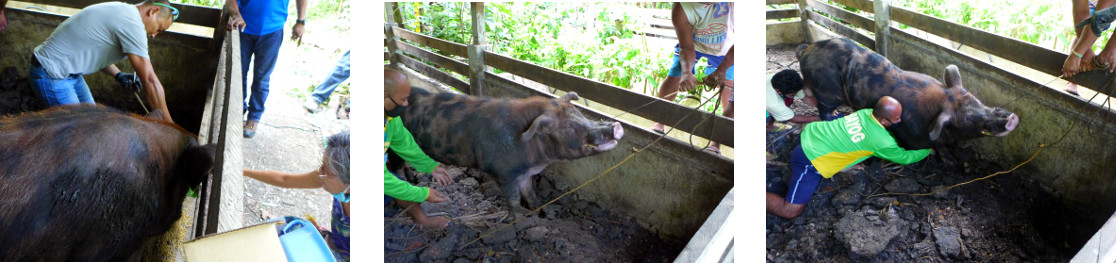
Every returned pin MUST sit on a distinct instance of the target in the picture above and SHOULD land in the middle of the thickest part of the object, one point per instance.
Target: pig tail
(337, 154)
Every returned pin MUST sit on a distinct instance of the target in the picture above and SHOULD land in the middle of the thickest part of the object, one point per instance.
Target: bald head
(888, 111)
(392, 80)
(396, 89)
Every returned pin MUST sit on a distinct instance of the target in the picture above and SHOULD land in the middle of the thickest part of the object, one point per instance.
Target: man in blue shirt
(261, 33)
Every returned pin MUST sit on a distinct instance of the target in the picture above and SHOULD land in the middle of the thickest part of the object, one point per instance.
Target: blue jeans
(714, 61)
(266, 50)
(70, 90)
(340, 74)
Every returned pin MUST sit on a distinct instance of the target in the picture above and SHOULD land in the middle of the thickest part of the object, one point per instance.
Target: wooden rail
(455, 49)
(782, 13)
(189, 14)
(862, 5)
(221, 197)
(844, 15)
(842, 29)
(780, 2)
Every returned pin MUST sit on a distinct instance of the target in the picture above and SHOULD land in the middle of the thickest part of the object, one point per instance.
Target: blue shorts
(714, 61)
(804, 178)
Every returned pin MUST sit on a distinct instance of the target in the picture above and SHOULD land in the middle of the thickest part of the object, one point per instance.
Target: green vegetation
(593, 41)
(318, 8)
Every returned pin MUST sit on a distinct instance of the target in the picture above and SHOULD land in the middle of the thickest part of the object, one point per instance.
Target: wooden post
(804, 19)
(476, 51)
(391, 12)
(883, 25)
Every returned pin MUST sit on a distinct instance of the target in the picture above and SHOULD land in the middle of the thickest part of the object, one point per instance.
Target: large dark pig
(511, 139)
(89, 183)
(839, 71)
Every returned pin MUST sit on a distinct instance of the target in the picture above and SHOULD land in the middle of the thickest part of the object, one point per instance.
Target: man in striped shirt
(829, 147)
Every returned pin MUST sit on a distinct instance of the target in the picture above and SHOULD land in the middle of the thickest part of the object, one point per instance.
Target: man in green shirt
(831, 146)
(399, 140)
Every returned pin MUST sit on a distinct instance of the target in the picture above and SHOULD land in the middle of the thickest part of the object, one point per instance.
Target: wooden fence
(699, 123)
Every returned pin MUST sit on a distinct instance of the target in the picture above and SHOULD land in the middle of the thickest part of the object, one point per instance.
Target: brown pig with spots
(510, 139)
(839, 71)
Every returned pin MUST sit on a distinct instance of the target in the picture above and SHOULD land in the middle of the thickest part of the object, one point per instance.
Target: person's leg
(81, 91)
(804, 181)
(266, 53)
(53, 92)
(3, 16)
(668, 90)
(339, 74)
(437, 222)
(247, 46)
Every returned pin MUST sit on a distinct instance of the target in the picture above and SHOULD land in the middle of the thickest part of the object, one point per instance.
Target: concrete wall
(670, 188)
(785, 33)
(184, 64)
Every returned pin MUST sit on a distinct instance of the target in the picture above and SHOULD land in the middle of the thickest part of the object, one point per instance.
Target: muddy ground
(569, 230)
(1007, 218)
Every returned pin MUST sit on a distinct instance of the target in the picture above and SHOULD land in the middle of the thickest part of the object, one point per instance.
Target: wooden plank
(780, 2)
(232, 161)
(1038, 58)
(862, 5)
(845, 16)
(842, 30)
(165, 37)
(436, 74)
(441, 61)
(883, 26)
(782, 13)
(456, 49)
(189, 14)
(716, 127)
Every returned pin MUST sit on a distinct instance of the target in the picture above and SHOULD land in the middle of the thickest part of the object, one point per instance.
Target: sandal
(781, 127)
(711, 149)
(1071, 91)
(771, 156)
(659, 131)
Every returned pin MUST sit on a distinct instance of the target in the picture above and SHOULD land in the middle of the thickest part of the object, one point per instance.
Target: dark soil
(1006, 218)
(569, 230)
(16, 94)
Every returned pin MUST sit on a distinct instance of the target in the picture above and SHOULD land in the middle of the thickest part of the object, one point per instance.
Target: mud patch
(16, 94)
(569, 230)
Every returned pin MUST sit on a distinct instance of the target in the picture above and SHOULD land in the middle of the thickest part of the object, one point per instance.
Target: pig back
(90, 183)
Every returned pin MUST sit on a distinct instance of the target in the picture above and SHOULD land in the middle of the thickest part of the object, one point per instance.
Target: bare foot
(658, 127)
(437, 222)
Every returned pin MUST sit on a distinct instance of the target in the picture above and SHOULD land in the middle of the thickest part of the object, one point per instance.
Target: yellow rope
(1041, 147)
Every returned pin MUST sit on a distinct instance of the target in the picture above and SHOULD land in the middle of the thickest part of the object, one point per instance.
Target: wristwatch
(300, 21)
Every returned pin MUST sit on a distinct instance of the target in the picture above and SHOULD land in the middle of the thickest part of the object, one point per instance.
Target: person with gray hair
(333, 177)
(92, 40)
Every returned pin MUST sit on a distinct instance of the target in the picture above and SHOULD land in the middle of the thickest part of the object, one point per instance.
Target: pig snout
(1013, 120)
(617, 133)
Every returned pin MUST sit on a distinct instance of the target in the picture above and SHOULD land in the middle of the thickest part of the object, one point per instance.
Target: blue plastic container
(302, 243)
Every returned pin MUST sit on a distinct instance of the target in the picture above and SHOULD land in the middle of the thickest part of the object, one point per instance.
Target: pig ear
(936, 130)
(155, 114)
(195, 163)
(537, 127)
(569, 96)
(952, 76)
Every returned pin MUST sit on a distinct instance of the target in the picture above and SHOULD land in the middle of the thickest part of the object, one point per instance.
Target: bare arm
(152, 88)
(111, 70)
(286, 180)
(684, 31)
(296, 31)
(235, 21)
